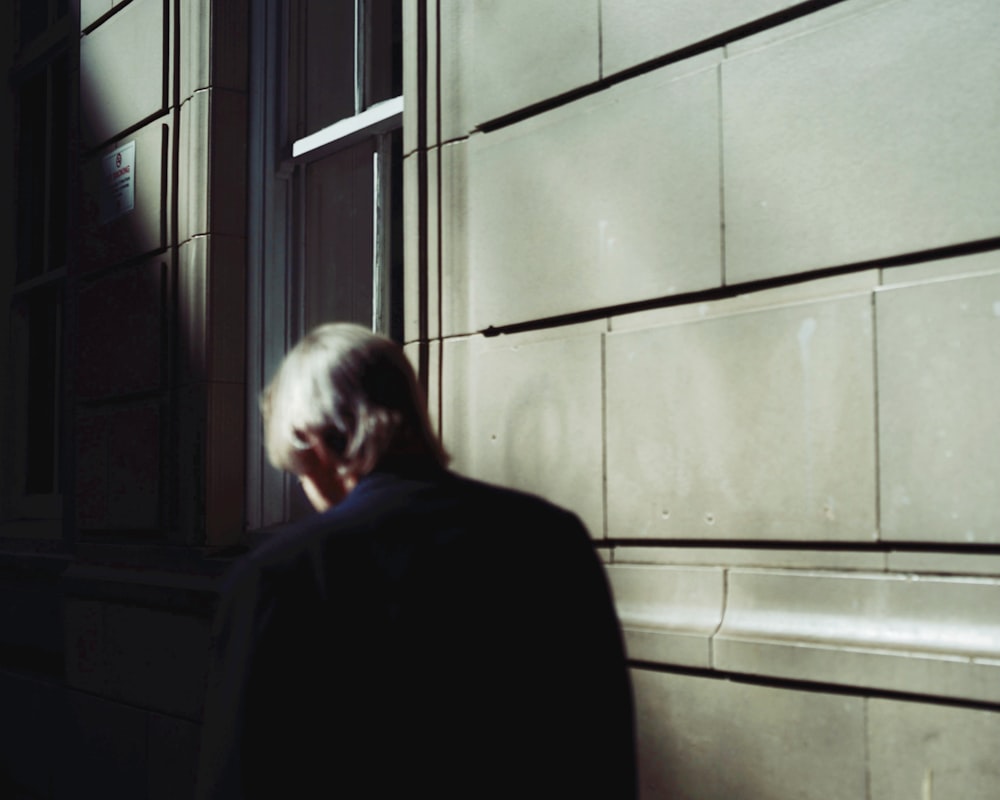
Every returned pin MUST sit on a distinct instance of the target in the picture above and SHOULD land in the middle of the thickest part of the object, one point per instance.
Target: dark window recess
(59, 164)
(44, 311)
(32, 177)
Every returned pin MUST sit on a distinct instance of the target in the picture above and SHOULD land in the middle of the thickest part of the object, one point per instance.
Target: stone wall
(724, 279)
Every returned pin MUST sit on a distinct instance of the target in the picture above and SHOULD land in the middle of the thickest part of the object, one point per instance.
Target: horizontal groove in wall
(931, 636)
(812, 686)
(719, 40)
(750, 287)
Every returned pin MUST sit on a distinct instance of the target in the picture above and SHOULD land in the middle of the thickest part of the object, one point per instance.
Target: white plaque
(117, 183)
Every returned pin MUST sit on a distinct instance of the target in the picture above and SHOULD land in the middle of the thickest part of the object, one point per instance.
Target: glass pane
(339, 233)
(384, 50)
(59, 164)
(32, 176)
(323, 65)
(43, 387)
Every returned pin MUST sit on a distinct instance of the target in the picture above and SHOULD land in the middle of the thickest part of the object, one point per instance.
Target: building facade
(724, 278)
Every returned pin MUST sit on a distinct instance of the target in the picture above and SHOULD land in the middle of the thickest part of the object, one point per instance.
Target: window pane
(339, 219)
(43, 384)
(31, 172)
(384, 50)
(322, 67)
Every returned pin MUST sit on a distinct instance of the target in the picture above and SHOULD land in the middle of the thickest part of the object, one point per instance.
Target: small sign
(117, 183)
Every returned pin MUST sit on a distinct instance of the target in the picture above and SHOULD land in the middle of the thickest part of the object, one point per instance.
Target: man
(423, 635)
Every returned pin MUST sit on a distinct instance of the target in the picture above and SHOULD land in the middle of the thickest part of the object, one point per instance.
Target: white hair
(353, 389)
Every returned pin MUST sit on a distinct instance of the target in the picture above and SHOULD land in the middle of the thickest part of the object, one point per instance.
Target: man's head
(343, 400)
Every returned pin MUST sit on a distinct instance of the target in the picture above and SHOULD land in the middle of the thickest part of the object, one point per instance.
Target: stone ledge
(932, 636)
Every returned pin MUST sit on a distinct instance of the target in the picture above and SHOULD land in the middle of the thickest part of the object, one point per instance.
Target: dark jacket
(431, 636)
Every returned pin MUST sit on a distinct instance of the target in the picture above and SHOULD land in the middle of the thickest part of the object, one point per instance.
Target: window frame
(39, 288)
(275, 255)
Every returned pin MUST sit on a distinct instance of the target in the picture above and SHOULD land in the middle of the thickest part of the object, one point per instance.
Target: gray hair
(353, 389)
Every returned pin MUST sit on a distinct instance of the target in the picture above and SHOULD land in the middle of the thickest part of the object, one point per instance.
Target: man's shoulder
(392, 507)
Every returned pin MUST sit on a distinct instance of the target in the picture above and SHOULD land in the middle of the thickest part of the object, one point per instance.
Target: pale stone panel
(457, 80)
(928, 751)
(524, 51)
(932, 636)
(612, 199)
(454, 243)
(122, 71)
(92, 10)
(411, 83)
(412, 300)
(863, 139)
(754, 426)
(633, 31)
(668, 615)
(421, 297)
(526, 413)
(938, 563)
(706, 739)
(144, 228)
(939, 378)
(960, 266)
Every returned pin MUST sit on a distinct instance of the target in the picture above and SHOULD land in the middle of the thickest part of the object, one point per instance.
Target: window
(326, 191)
(42, 97)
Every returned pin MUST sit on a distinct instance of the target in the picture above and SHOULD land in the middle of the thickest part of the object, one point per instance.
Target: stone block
(225, 443)
(420, 280)
(212, 309)
(123, 71)
(933, 636)
(454, 242)
(758, 425)
(608, 200)
(33, 714)
(526, 412)
(767, 558)
(173, 757)
(143, 229)
(932, 751)
(118, 468)
(212, 180)
(633, 31)
(219, 62)
(706, 739)
(105, 750)
(455, 88)
(668, 614)
(141, 656)
(939, 375)
(960, 266)
(524, 52)
(863, 139)
(121, 332)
